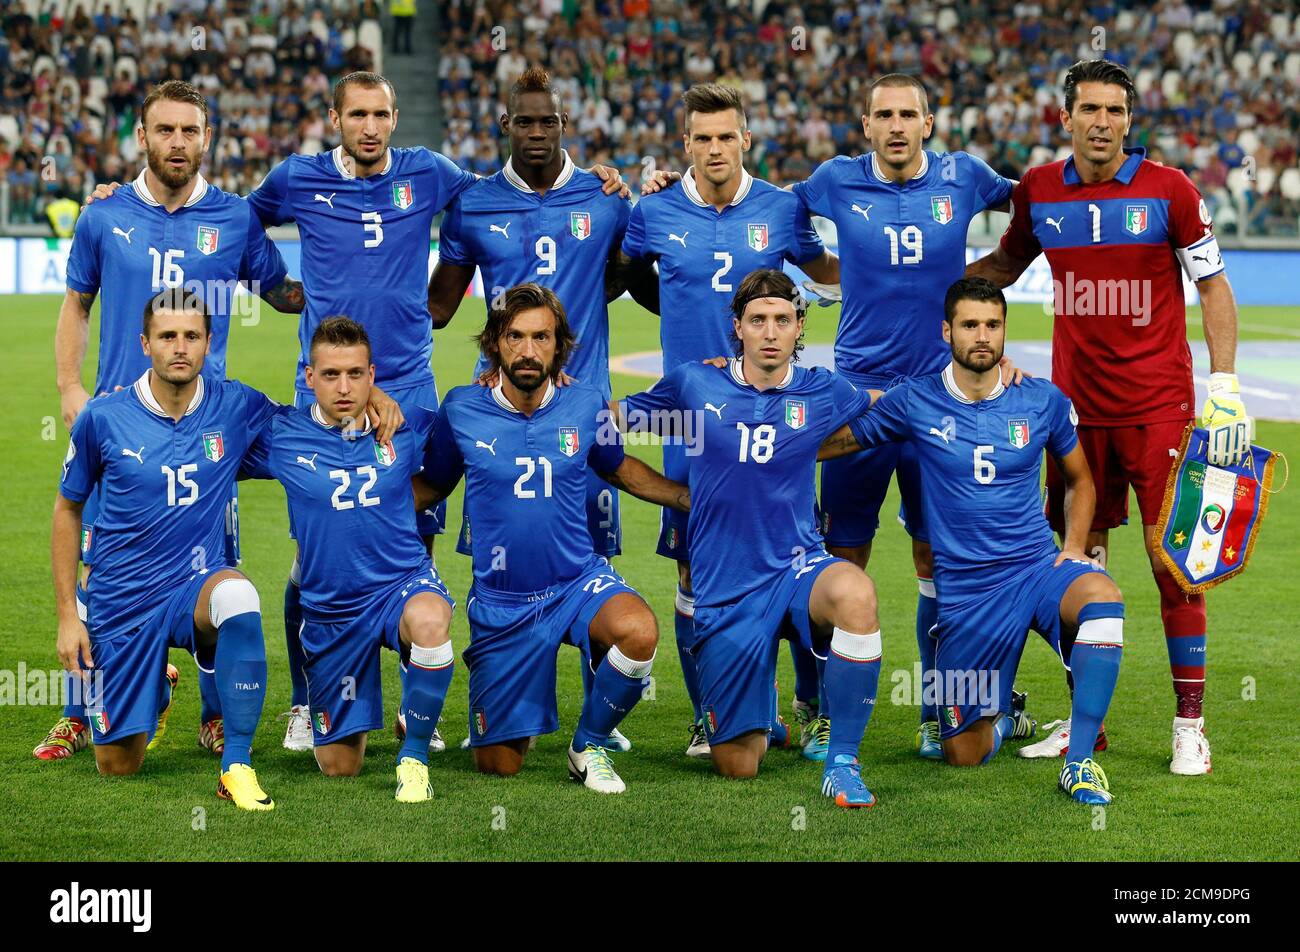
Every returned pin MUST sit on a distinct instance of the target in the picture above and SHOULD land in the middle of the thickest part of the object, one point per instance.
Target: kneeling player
(164, 455)
(366, 578)
(997, 569)
(525, 448)
(758, 562)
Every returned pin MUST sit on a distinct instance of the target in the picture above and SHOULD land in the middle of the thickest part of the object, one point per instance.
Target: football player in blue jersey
(758, 561)
(164, 453)
(719, 225)
(902, 213)
(525, 447)
(167, 228)
(999, 573)
(367, 580)
(541, 220)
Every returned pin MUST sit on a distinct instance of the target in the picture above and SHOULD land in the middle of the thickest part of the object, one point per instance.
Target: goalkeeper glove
(825, 294)
(1224, 416)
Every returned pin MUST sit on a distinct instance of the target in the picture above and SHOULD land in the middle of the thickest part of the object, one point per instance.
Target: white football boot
(594, 770)
(297, 736)
(699, 745)
(1191, 756)
(1054, 744)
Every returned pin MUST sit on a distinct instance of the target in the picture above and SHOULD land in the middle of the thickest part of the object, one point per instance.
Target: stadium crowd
(1217, 80)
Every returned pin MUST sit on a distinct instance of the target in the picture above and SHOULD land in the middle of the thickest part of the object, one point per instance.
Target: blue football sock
(75, 693)
(1094, 662)
(292, 639)
(852, 674)
(927, 613)
(807, 677)
(240, 665)
(824, 703)
(619, 683)
(428, 676)
(1003, 727)
(209, 696)
(684, 629)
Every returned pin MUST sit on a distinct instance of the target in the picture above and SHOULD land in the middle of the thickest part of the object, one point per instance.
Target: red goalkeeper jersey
(1116, 249)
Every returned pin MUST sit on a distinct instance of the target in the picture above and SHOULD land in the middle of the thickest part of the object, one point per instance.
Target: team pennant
(1212, 514)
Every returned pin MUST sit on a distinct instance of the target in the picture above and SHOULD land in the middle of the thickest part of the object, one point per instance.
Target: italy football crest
(322, 719)
(941, 208)
(758, 237)
(796, 414)
(403, 195)
(385, 453)
(569, 440)
(1018, 433)
(580, 225)
(1136, 219)
(208, 239)
(214, 447)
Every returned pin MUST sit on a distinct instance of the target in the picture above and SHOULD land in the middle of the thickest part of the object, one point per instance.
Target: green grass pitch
(674, 808)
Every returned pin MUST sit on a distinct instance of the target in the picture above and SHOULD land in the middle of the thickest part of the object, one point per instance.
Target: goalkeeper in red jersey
(1118, 231)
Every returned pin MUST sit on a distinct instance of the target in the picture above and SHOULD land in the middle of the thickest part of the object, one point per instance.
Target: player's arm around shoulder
(863, 430)
(442, 464)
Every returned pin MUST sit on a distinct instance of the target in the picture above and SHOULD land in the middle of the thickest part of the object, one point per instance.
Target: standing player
(525, 448)
(165, 454)
(720, 225)
(367, 580)
(980, 446)
(168, 228)
(759, 565)
(902, 213)
(541, 220)
(1116, 228)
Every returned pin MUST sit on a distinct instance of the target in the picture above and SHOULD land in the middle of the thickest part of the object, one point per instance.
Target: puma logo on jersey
(1056, 223)
(500, 228)
(717, 410)
(681, 237)
(309, 463)
(318, 197)
(864, 212)
(945, 434)
(138, 454)
(125, 234)
(490, 447)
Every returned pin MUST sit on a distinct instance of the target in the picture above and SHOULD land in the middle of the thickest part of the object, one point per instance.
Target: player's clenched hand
(384, 415)
(612, 179)
(1076, 555)
(1224, 416)
(71, 401)
(1011, 374)
(74, 646)
(658, 180)
(103, 190)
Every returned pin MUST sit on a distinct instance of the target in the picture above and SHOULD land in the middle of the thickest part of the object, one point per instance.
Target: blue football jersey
(128, 248)
(350, 502)
(981, 468)
(560, 240)
(704, 254)
(525, 479)
(901, 247)
(753, 475)
(164, 486)
(365, 249)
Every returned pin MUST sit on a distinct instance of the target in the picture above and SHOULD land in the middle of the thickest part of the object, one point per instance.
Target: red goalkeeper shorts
(1120, 457)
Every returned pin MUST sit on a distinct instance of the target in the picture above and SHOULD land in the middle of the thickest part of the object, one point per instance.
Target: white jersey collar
(738, 374)
(146, 196)
(693, 190)
(319, 417)
(499, 395)
(145, 395)
(920, 172)
(338, 155)
(950, 384)
(566, 173)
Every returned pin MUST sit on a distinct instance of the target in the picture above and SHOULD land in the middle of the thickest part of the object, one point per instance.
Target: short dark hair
(709, 98)
(362, 78)
(900, 81)
(1098, 71)
(338, 331)
(176, 299)
(174, 90)
(766, 283)
(972, 289)
(532, 80)
(525, 297)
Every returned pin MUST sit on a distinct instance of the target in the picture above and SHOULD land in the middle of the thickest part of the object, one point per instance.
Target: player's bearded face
(176, 346)
(977, 335)
(175, 140)
(527, 349)
(716, 144)
(365, 125)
